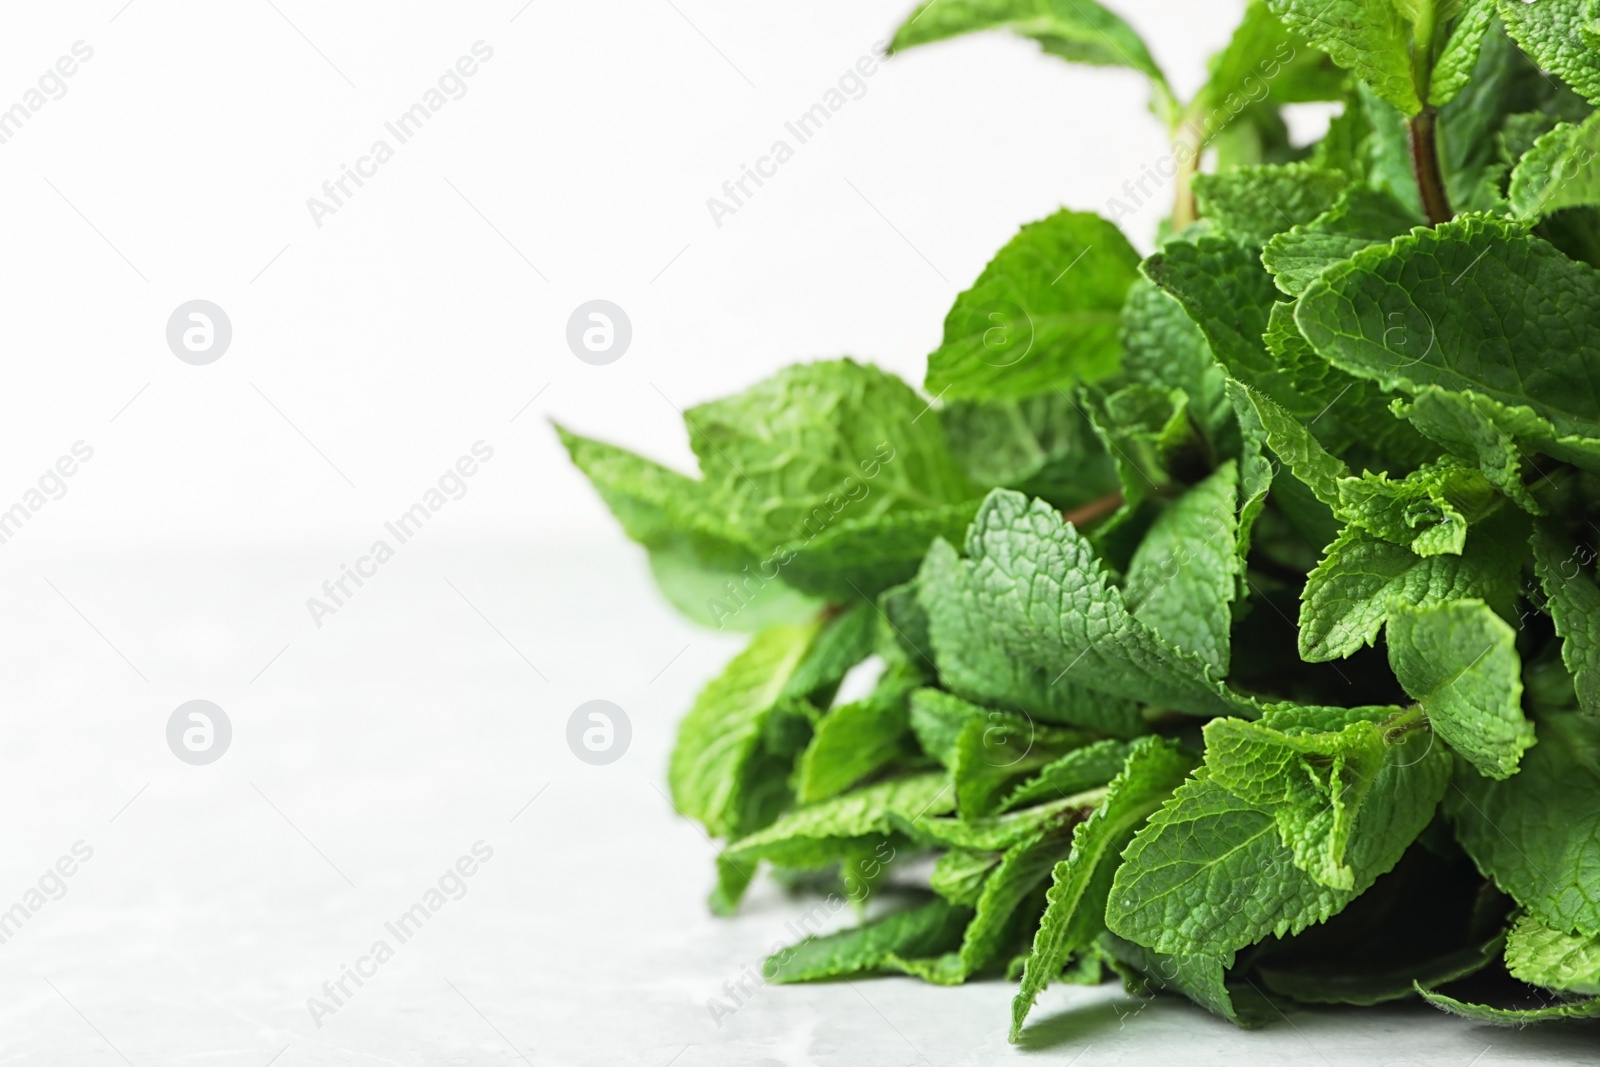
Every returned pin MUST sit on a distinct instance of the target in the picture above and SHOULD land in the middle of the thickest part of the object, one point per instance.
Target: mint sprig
(1235, 608)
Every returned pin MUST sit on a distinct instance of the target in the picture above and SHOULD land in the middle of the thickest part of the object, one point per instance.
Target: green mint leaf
(1370, 38)
(789, 456)
(1075, 904)
(925, 930)
(1225, 289)
(709, 774)
(1312, 780)
(958, 875)
(1078, 771)
(1202, 979)
(1209, 873)
(816, 835)
(975, 662)
(855, 739)
(1265, 61)
(1293, 444)
(859, 556)
(693, 556)
(1038, 587)
(709, 593)
(844, 641)
(996, 832)
(1459, 661)
(1428, 310)
(1428, 510)
(938, 718)
(1534, 833)
(1347, 597)
(1458, 54)
(1504, 440)
(1519, 1017)
(1346, 414)
(1041, 445)
(1410, 52)
(1550, 31)
(1079, 31)
(984, 749)
(996, 748)
(1043, 314)
(1253, 204)
(1023, 867)
(1148, 430)
(1182, 579)
(1360, 218)
(1558, 170)
(1544, 957)
(1163, 348)
(903, 629)
(1574, 605)
(1226, 292)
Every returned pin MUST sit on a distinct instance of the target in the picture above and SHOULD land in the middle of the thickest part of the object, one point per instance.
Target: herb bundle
(1236, 625)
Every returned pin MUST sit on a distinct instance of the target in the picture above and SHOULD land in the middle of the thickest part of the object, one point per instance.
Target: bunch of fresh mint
(1233, 608)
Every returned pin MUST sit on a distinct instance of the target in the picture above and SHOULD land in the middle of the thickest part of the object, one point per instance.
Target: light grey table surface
(423, 718)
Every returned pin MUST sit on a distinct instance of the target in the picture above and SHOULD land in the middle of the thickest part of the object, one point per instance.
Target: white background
(368, 354)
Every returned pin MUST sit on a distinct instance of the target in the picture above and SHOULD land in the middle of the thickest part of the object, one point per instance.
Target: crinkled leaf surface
(1475, 304)
(1044, 313)
(975, 661)
(1182, 579)
(1252, 204)
(1551, 31)
(1545, 957)
(1039, 588)
(1361, 217)
(1209, 873)
(1559, 171)
(1347, 596)
(1535, 833)
(1574, 605)
(1459, 660)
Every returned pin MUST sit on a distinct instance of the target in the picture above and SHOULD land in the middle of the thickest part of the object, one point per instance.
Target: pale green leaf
(721, 733)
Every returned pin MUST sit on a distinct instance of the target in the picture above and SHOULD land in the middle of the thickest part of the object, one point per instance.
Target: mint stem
(1094, 509)
(1425, 162)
